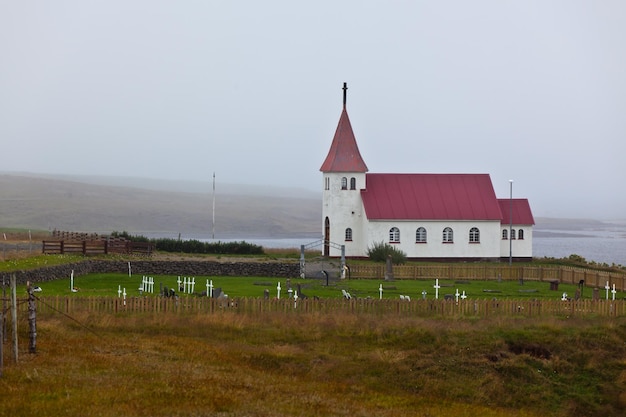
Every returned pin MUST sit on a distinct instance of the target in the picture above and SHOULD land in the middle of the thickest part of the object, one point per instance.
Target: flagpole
(213, 229)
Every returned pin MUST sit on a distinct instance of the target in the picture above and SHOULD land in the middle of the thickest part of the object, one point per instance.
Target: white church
(428, 216)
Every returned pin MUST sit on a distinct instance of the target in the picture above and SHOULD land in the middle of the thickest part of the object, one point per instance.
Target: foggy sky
(533, 91)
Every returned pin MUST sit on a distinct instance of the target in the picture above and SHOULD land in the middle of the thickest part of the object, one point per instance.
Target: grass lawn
(109, 284)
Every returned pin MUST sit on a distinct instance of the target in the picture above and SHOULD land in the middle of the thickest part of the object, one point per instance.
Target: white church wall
(521, 248)
(344, 210)
(489, 246)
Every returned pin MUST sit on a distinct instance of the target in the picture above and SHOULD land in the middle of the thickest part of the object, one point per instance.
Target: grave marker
(436, 287)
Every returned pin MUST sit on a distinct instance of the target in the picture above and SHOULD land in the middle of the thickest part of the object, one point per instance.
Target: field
(341, 362)
(273, 364)
(109, 284)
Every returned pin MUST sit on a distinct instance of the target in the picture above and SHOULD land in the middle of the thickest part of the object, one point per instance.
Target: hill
(90, 204)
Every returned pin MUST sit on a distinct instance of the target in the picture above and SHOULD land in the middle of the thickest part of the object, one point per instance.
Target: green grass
(38, 261)
(108, 285)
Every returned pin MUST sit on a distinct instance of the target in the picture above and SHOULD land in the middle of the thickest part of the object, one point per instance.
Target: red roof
(521, 211)
(430, 197)
(344, 155)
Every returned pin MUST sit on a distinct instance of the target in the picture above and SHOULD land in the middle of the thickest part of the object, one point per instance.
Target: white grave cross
(607, 288)
(463, 296)
(278, 289)
(613, 292)
(456, 295)
(436, 287)
(380, 291)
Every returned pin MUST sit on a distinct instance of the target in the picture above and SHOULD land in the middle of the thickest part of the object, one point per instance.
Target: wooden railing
(428, 308)
(96, 247)
(562, 274)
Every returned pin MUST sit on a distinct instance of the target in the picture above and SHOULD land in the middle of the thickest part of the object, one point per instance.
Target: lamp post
(511, 223)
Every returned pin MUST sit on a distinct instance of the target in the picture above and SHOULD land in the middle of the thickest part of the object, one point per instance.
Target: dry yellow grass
(231, 364)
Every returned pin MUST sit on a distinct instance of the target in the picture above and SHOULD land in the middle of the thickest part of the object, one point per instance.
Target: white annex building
(427, 216)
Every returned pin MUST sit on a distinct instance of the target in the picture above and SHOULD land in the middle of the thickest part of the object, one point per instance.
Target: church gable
(430, 197)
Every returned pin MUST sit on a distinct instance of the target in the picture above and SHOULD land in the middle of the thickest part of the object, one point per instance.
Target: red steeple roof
(344, 155)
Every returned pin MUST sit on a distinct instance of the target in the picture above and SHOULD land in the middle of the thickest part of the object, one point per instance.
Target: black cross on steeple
(345, 94)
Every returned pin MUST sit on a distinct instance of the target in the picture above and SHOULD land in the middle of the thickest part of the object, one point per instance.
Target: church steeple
(344, 155)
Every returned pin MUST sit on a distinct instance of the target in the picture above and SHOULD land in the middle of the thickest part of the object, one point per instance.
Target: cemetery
(227, 344)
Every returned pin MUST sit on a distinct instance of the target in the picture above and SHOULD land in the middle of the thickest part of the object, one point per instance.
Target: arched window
(349, 234)
(505, 234)
(327, 183)
(394, 235)
(420, 235)
(353, 183)
(512, 234)
(448, 235)
(344, 183)
(474, 235)
(520, 234)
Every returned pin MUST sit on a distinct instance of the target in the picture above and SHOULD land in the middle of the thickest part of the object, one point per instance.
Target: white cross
(119, 291)
(607, 288)
(124, 293)
(193, 285)
(613, 292)
(380, 291)
(436, 287)
(129, 270)
(278, 289)
(463, 296)
(564, 298)
(295, 299)
(424, 294)
(457, 295)
(179, 281)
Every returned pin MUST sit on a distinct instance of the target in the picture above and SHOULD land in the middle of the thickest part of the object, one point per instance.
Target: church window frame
(353, 183)
(505, 234)
(421, 235)
(348, 234)
(474, 235)
(448, 235)
(520, 234)
(326, 183)
(394, 235)
(344, 183)
(512, 234)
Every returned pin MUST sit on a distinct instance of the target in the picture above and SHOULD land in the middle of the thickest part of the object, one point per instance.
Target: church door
(326, 237)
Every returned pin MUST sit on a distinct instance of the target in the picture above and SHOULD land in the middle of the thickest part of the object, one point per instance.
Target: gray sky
(533, 91)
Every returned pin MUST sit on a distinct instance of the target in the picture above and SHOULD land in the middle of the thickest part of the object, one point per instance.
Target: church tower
(343, 177)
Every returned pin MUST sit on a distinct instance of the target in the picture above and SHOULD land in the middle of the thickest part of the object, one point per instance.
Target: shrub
(381, 251)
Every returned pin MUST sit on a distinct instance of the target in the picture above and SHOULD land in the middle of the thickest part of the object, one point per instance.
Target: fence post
(32, 319)
(14, 314)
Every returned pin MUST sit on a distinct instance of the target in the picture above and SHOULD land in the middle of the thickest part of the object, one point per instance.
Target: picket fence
(563, 274)
(250, 305)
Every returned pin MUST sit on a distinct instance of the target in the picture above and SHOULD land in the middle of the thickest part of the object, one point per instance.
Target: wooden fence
(563, 274)
(96, 247)
(249, 305)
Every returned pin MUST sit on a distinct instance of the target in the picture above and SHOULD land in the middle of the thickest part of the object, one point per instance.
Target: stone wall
(186, 268)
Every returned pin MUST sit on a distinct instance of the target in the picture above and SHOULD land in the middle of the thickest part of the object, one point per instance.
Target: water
(607, 246)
